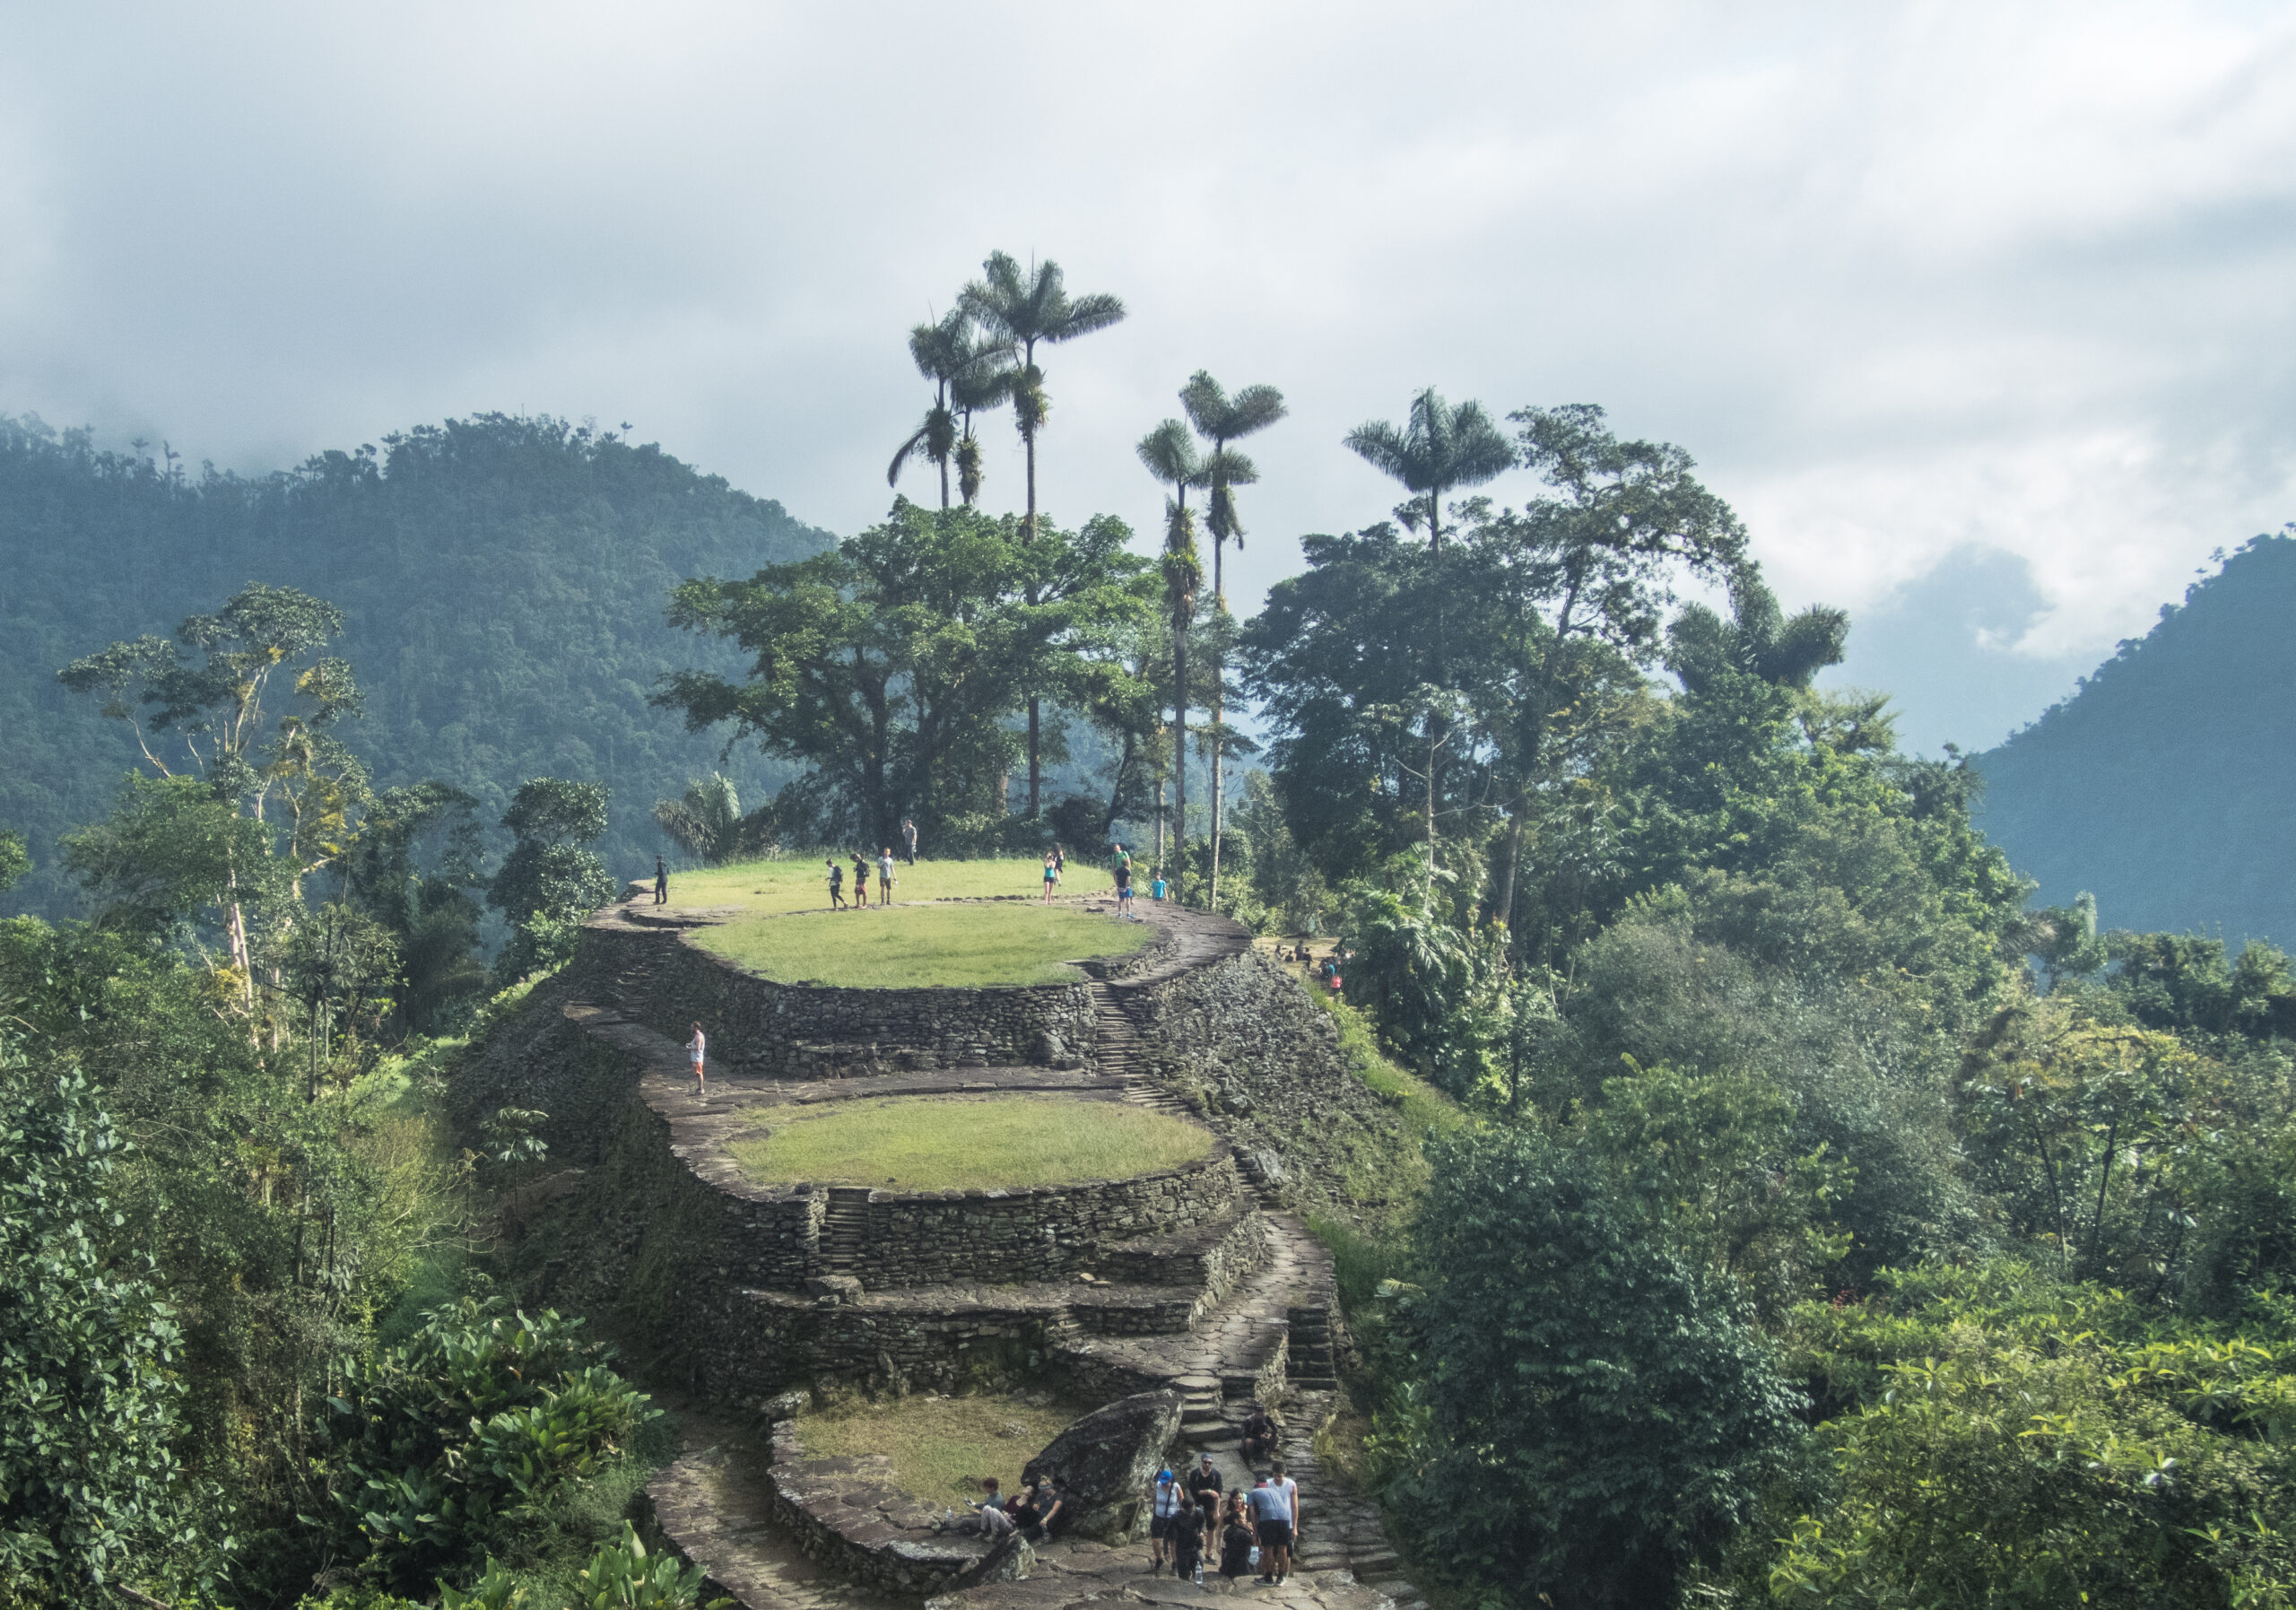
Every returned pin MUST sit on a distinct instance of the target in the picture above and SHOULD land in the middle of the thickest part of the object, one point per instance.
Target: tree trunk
(1180, 750)
(944, 484)
(1158, 860)
(1029, 536)
(1433, 744)
(1036, 777)
(1219, 713)
(1505, 910)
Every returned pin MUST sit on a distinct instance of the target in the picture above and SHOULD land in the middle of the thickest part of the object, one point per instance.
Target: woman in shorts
(1051, 877)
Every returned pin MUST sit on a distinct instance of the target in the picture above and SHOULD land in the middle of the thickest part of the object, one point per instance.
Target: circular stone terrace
(890, 1205)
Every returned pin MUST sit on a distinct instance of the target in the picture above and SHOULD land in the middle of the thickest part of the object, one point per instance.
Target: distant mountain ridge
(504, 582)
(2167, 784)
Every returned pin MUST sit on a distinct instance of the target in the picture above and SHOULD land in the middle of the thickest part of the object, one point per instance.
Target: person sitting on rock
(1259, 1436)
(995, 1523)
(1048, 1515)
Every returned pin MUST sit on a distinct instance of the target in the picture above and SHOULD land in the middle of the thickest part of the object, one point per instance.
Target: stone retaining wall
(809, 1030)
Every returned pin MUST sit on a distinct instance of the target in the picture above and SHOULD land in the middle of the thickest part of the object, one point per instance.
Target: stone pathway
(715, 1504)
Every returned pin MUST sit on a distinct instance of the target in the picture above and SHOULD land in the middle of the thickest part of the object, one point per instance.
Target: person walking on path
(661, 883)
(1051, 877)
(1156, 883)
(1185, 1532)
(1059, 860)
(860, 880)
(1123, 890)
(1164, 1503)
(885, 876)
(909, 839)
(836, 885)
(694, 1049)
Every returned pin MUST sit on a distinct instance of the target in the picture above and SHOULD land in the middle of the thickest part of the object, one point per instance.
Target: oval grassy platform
(912, 947)
(798, 882)
(964, 1142)
(940, 1447)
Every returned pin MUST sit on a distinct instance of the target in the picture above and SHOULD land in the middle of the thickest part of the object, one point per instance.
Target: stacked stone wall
(809, 1030)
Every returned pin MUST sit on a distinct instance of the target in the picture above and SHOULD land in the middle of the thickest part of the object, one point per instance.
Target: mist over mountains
(503, 581)
(2166, 786)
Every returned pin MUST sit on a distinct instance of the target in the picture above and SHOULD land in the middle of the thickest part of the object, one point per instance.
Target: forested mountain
(503, 581)
(2167, 784)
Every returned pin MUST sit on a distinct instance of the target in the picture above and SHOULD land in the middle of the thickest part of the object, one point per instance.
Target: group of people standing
(1189, 1517)
(885, 879)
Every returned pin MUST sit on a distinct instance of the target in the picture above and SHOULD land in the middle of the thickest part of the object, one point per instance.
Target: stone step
(1211, 1436)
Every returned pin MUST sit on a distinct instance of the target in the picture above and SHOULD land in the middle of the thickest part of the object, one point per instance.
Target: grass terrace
(962, 1143)
(940, 1447)
(911, 947)
(799, 882)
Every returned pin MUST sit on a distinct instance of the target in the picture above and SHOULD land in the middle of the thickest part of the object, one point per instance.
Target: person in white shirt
(1290, 1489)
(694, 1049)
(1163, 1505)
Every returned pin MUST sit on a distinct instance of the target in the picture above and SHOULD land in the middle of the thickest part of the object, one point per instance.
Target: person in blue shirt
(1156, 884)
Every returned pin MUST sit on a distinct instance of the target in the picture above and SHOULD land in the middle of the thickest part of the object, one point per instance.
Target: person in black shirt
(1236, 1538)
(1204, 1483)
(1259, 1436)
(1185, 1534)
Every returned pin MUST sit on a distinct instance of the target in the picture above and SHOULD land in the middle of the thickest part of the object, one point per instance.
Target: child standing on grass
(1051, 877)
(836, 885)
(694, 1049)
(860, 880)
(885, 876)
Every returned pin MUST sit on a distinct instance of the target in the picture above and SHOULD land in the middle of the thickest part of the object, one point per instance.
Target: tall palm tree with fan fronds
(1170, 456)
(1028, 308)
(988, 384)
(1221, 419)
(1441, 450)
(948, 353)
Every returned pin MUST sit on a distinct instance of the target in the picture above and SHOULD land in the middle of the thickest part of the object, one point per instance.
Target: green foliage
(624, 1577)
(15, 859)
(483, 1412)
(92, 1493)
(552, 879)
(890, 665)
(1597, 1413)
(2006, 1440)
(708, 825)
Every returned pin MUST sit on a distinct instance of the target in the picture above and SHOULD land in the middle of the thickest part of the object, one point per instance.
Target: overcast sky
(1980, 314)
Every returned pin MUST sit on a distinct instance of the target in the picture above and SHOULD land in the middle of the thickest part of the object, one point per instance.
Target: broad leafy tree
(553, 878)
(892, 663)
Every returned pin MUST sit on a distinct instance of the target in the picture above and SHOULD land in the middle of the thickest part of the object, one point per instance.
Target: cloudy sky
(1980, 314)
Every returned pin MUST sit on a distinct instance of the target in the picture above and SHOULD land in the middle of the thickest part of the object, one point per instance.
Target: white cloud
(1907, 278)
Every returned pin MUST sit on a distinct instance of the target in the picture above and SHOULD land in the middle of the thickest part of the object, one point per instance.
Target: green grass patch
(798, 882)
(940, 1446)
(964, 1143)
(909, 947)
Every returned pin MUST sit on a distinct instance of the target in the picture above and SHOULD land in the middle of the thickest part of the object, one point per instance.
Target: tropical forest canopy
(1798, 1212)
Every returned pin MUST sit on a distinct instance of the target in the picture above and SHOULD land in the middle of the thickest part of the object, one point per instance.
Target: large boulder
(1103, 1463)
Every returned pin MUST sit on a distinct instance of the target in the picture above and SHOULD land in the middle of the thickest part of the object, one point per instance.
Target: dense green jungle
(1810, 1215)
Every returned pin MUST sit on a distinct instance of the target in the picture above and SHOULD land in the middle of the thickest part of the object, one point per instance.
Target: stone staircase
(1117, 1053)
(844, 1228)
(1313, 1366)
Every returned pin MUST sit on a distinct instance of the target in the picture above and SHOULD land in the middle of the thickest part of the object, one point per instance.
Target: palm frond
(1170, 454)
(1082, 316)
(911, 448)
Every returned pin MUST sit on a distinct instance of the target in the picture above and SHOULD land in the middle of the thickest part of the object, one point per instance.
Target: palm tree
(988, 384)
(1172, 457)
(942, 350)
(1441, 450)
(1025, 308)
(708, 824)
(1220, 419)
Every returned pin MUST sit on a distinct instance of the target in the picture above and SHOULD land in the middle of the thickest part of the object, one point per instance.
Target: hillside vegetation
(503, 582)
(2170, 778)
